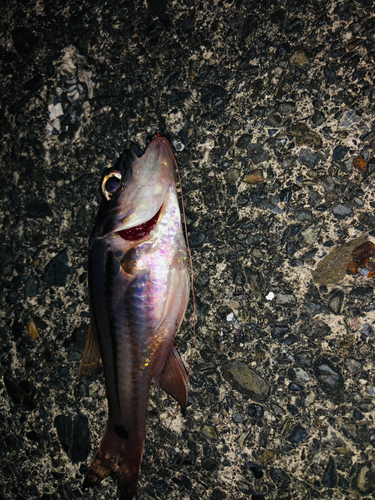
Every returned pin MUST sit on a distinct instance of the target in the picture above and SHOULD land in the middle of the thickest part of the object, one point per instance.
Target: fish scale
(139, 289)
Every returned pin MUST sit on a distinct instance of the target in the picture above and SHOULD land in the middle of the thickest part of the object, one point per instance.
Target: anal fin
(173, 378)
(92, 355)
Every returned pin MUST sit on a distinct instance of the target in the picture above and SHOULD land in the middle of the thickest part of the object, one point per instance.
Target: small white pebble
(270, 296)
(55, 111)
(56, 124)
(230, 317)
(364, 271)
(177, 450)
(178, 146)
(241, 345)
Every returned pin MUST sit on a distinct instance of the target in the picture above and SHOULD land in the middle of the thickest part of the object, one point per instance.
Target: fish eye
(110, 184)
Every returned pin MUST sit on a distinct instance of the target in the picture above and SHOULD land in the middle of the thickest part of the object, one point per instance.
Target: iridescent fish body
(139, 289)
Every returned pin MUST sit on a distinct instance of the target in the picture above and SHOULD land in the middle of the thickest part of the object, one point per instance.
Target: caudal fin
(118, 455)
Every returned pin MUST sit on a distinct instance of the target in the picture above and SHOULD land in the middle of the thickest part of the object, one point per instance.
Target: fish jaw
(144, 188)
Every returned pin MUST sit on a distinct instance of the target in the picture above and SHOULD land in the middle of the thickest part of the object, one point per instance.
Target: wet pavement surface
(270, 107)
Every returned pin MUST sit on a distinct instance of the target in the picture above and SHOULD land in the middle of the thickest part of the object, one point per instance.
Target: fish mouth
(138, 232)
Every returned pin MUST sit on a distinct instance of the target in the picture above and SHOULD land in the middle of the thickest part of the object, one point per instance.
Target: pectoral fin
(173, 378)
(92, 355)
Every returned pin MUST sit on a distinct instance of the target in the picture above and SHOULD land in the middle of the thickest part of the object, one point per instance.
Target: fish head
(134, 190)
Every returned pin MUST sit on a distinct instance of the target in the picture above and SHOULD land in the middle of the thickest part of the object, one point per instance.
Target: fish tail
(118, 455)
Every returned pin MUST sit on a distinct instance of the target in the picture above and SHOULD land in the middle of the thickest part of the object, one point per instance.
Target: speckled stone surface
(267, 105)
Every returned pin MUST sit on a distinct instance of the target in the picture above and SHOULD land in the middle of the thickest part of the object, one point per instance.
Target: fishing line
(194, 324)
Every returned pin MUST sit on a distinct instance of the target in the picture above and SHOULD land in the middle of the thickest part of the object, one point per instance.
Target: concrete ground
(270, 107)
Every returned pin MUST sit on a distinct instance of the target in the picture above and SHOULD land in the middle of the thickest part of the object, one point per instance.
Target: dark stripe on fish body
(134, 350)
(108, 285)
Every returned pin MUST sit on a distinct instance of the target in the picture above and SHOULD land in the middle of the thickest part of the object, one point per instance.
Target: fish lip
(159, 141)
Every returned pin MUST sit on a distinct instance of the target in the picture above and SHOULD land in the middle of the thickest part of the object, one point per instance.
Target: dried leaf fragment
(360, 164)
(361, 259)
(352, 268)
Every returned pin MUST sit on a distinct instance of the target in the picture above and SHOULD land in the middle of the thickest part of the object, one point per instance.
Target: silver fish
(139, 288)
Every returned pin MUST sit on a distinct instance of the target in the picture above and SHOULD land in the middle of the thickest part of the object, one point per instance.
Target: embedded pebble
(312, 308)
(55, 111)
(196, 240)
(209, 464)
(301, 375)
(365, 479)
(328, 375)
(330, 75)
(367, 407)
(280, 478)
(353, 365)
(366, 331)
(254, 177)
(339, 152)
(57, 270)
(306, 137)
(349, 119)
(310, 398)
(256, 153)
(32, 287)
(245, 380)
(238, 418)
(277, 409)
(341, 211)
(308, 158)
(81, 443)
(285, 194)
(310, 234)
(335, 304)
(300, 58)
(294, 387)
(209, 431)
(64, 426)
(318, 118)
(298, 434)
(286, 108)
(330, 474)
(33, 331)
(243, 141)
(232, 174)
(350, 431)
(304, 359)
(255, 411)
(283, 299)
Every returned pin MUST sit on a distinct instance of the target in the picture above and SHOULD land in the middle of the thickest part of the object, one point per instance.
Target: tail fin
(118, 455)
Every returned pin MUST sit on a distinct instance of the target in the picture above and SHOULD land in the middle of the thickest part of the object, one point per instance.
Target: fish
(139, 287)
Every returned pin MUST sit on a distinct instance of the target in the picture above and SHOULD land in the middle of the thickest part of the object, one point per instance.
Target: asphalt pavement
(270, 110)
